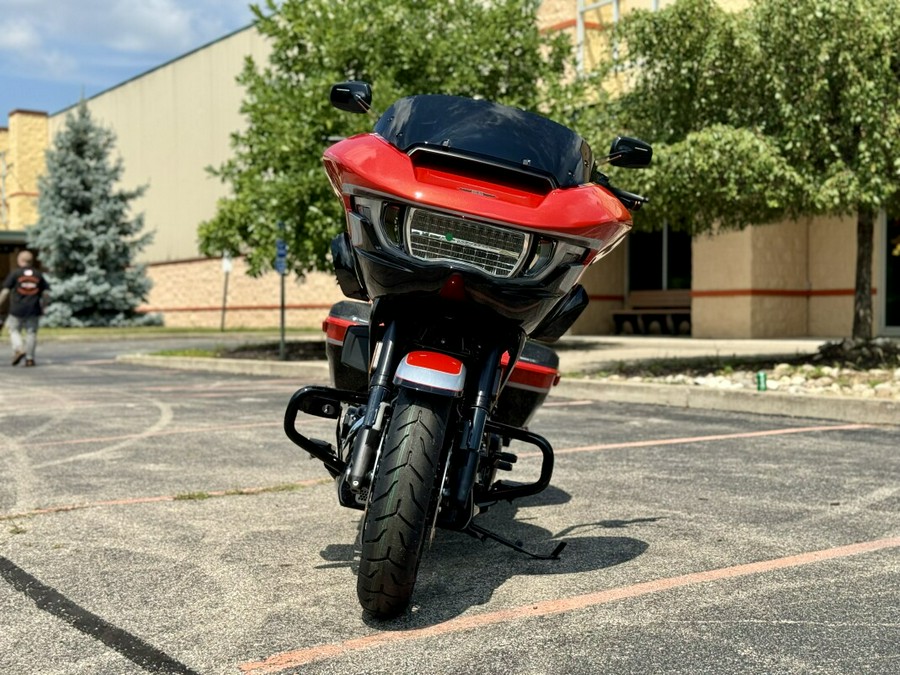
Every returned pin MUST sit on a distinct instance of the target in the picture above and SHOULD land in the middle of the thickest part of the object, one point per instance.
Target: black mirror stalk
(628, 153)
(353, 96)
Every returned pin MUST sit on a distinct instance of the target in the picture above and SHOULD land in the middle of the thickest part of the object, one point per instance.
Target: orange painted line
(563, 451)
(777, 292)
(292, 659)
(184, 261)
(572, 23)
(222, 386)
(607, 298)
(152, 500)
(231, 308)
(172, 432)
(701, 439)
(28, 405)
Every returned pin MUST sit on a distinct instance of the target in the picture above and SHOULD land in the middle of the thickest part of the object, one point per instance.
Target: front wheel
(403, 502)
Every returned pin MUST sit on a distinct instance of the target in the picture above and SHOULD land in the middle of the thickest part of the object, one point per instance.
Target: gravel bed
(808, 379)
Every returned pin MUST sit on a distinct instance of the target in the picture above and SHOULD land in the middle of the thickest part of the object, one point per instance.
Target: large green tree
(85, 234)
(487, 48)
(788, 108)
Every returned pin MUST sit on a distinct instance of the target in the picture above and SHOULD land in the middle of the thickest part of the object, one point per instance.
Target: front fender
(431, 372)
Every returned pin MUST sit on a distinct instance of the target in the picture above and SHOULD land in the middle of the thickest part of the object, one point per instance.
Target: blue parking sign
(280, 256)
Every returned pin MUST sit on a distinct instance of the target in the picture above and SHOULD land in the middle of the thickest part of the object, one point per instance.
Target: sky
(53, 52)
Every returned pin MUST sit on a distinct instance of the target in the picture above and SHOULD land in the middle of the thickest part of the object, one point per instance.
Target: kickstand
(480, 533)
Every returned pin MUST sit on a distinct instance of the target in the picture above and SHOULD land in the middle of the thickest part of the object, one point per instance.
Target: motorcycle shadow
(459, 572)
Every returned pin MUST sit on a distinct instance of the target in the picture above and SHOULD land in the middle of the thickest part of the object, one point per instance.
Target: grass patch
(285, 487)
(195, 496)
(297, 350)
(141, 332)
(193, 352)
(244, 492)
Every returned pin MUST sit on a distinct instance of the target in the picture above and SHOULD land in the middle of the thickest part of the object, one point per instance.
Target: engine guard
(326, 402)
(500, 491)
(321, 402)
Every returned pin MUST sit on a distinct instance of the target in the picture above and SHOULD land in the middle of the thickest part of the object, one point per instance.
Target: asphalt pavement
(158, 520)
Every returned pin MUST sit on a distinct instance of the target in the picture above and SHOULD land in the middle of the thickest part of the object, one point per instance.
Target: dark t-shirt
(26, 285)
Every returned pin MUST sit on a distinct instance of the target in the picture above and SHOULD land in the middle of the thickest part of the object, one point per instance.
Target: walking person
(27, 290)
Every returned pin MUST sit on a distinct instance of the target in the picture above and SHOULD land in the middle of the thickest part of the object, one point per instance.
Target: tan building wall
(605, 283)
(171, 124)
(190, 294)
(599, 15)
(4, 154)
(832, 275)
(720, 266)
(24, 143)
(788, 279)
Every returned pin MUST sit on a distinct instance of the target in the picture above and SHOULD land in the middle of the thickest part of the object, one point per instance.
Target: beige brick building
(789, 279)
(22, 146)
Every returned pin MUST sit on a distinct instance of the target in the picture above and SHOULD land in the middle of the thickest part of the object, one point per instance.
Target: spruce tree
(86, 240)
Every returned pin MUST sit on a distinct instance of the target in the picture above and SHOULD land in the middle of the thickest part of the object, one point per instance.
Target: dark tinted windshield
(491, 131)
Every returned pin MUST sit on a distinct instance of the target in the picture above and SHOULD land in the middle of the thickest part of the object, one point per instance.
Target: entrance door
(891, 265)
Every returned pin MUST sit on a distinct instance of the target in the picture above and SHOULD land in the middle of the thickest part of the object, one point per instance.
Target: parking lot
(160, 521)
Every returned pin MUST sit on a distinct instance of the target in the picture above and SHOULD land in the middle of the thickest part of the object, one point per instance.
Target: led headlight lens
(433, 237)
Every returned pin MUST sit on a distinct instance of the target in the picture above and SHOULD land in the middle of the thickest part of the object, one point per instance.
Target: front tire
(403, 502)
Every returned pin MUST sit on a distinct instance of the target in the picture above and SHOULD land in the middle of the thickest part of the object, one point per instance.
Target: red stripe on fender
(434, 361)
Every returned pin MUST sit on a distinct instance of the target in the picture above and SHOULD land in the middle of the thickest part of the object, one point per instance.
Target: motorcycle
(468, 227)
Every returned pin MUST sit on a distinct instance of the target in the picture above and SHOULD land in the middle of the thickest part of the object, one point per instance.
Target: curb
(307, 370)
(837, 408)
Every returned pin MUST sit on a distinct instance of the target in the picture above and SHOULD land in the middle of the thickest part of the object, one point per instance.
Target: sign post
(281, 268)
(226, 268)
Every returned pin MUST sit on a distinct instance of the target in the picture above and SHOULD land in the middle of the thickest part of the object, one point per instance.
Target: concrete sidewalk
(579, 355)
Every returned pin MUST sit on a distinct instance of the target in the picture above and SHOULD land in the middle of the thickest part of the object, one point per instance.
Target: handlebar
(631, 200)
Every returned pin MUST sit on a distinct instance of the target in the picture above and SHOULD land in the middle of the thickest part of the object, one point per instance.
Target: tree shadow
(459, 572)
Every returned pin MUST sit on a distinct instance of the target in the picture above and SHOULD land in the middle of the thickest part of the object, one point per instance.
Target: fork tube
(369, 436)
(473, 432)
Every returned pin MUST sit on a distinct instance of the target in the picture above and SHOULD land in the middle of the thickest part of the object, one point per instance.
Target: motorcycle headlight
(386, 216)
(433, 237)
(550, 253)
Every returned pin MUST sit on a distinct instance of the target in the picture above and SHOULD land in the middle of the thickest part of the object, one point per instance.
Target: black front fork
(473, 428)
(365, 445)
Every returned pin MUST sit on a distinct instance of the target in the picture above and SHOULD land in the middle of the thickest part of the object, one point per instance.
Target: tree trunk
(862, 299)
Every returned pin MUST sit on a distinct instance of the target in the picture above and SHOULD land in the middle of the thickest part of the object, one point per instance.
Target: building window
(591, 39)
(659, 260)
(892, 271)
